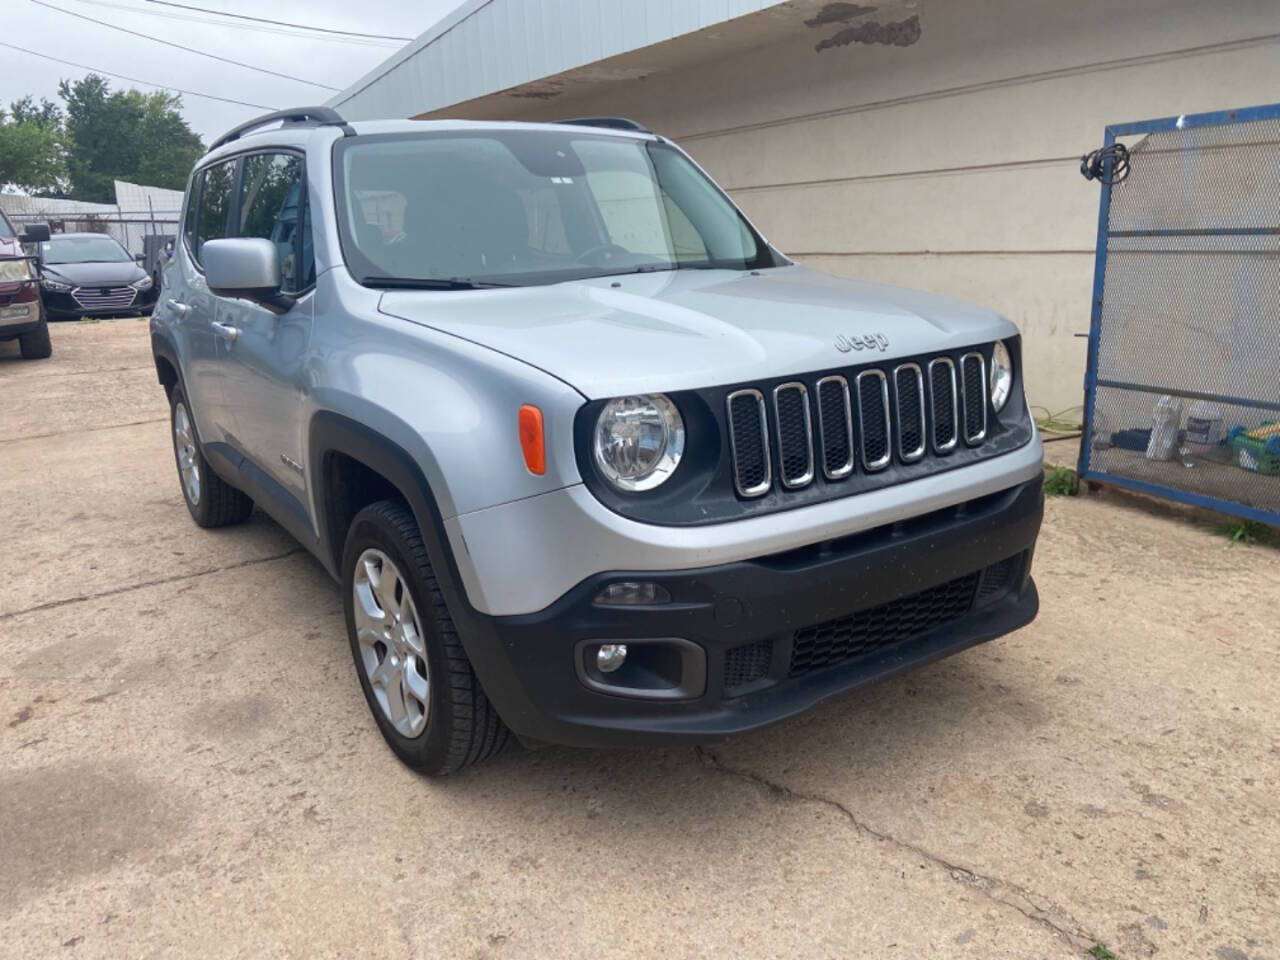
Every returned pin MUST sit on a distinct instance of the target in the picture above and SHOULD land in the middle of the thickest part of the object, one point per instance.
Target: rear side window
(273, 207)
(215, 201)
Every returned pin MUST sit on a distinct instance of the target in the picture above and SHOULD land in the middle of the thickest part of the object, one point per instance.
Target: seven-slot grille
(95, 298)
(866, 421)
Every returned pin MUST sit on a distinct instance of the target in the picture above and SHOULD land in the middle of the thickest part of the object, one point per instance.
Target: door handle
(179, 308)
(225, 330)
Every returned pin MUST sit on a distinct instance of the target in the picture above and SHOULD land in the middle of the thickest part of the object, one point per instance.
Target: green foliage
(124, 135)
(1060, 482)
(1247, 531)
(102, 136)
(32, 153)
(1099, 952)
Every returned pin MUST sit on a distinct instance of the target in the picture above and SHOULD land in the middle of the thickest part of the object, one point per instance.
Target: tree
(32, 156)
(124, 135)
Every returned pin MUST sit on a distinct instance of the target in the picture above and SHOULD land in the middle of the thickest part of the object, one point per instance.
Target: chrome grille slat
(875, 431)
(973, 393)
(749, 442)
(909, 400)
(794, 428)
(944, 404)
(835, 427)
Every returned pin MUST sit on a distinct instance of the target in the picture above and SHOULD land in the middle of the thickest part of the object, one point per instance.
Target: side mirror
(35, 233)
(246, 267)
(139, 258)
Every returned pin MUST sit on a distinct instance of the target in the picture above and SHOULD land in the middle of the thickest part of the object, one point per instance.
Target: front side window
(97, 249)
(189, 223)
(518, 207)
(272, 207)
(215, 202)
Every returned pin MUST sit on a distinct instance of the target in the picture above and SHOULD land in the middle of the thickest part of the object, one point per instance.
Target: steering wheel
(601, 248)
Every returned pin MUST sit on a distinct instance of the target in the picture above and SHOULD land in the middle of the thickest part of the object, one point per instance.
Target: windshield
(5, 229)
(101, 249)
(518, 207)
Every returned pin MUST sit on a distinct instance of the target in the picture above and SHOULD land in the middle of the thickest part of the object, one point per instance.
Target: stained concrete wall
(940, 147)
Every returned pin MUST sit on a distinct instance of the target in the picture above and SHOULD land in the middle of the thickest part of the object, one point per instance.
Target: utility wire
(146, 83)
(278, 23)
(357, 39)
(170, 43)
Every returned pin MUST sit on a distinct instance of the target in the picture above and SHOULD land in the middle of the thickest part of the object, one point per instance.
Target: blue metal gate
(1182, 389)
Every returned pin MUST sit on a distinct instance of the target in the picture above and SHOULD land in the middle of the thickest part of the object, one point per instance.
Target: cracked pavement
(187, 764)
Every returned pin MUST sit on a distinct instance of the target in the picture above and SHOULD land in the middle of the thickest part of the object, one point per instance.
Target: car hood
(686, 329)
(94, 274)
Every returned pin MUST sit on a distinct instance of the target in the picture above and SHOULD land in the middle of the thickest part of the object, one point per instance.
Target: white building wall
(950, 164)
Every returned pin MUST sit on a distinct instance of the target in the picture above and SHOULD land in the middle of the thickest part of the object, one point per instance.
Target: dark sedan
(91, 275)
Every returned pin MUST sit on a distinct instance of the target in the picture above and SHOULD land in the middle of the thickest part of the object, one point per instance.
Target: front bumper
(808, 623)
(18, 317)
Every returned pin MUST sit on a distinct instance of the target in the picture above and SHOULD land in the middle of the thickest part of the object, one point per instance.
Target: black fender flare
(331, 433)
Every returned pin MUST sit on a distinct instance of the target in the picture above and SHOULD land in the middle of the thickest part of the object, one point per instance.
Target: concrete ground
(187, 765)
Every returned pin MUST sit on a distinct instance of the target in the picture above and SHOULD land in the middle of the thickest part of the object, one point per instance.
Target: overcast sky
(293, 52)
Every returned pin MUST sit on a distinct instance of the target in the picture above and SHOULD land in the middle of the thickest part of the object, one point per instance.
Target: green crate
(1259, 453)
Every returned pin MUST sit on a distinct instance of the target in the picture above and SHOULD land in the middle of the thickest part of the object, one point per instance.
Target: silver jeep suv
(591, 461)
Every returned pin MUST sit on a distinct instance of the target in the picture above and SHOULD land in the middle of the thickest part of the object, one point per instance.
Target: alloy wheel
(392, 650)
(185, 445)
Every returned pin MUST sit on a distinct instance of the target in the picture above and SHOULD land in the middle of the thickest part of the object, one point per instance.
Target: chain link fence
(1182, 393)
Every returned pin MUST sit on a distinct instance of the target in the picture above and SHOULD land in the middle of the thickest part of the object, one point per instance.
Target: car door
(189, 300)
(265, 358)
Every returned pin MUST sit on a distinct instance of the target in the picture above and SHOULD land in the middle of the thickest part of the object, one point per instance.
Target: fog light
(611, 656)
(630, 593)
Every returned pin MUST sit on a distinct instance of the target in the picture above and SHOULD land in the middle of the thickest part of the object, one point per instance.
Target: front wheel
(416, 677)
(36, 345)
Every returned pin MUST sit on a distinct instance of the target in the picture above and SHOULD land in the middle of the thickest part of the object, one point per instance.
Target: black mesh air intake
(835, 429)
(795, 435)
(750, 449)
(909, 387)
(846, 638)
(943, 391)
(973, 378)
(747, 663)
(873, 420)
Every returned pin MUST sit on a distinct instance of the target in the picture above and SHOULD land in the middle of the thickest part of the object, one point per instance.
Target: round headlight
(638, 441)
(1001, 376)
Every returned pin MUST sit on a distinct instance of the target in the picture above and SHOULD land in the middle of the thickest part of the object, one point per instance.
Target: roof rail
(611, 123)
(324, 116)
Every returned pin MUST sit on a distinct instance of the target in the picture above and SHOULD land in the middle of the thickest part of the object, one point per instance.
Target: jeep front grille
(835, 427)
(873, 419)
(749, 442)
(861, 420)
(942, 404)
(908, 387)
(973, 377)
(795, 434)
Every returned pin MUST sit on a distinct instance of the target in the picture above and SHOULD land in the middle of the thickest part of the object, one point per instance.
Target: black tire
(217, 503)
(36, 345)
(462, 725)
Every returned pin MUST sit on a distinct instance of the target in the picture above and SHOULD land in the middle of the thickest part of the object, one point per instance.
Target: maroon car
(21, 314)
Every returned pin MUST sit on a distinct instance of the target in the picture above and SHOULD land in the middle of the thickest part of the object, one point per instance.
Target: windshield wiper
(430, 283)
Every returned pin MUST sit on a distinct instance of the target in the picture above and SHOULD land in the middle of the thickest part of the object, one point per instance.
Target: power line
(357, 39)
(170, 43)
(146, 83)
(278, 23)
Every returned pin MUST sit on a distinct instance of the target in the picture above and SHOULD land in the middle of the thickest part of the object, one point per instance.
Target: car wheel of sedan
(211, 501)
(416, 677)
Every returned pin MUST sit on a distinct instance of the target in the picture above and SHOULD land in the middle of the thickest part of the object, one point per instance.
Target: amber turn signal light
(531, 439)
